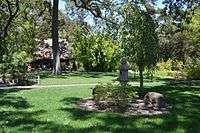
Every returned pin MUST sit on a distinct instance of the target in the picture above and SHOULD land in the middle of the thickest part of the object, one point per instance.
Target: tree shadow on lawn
(17, 115)
(66, 75)
(10, 100)
(25, 121)
(184, 115)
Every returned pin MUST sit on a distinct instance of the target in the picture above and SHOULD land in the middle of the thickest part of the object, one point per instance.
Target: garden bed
(133, 108)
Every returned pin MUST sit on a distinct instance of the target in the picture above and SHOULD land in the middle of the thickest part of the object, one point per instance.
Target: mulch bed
(136, 108)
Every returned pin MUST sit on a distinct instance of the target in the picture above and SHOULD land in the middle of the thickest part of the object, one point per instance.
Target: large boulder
(154, 100)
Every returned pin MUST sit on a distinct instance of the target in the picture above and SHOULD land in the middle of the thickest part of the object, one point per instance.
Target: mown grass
(77, 78)
(54, 110)
(46, 78)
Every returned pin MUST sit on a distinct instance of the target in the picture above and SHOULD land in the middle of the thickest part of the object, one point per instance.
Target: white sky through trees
(89, 19)
(62, 4)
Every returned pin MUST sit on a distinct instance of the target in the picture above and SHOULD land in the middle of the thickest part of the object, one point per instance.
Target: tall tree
(8, 12)
(139, 39)
(55, 39)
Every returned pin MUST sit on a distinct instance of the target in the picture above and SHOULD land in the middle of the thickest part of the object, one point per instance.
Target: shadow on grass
(70, 100)
(183, 117)
(25, 121)
(17, 115)
(77, 74)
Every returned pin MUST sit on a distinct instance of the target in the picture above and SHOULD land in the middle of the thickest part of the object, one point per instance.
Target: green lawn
(54, 110)
(77, 78)
(90, 78)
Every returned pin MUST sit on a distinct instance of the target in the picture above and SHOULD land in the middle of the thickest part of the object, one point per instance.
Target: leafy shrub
(192, 69)
(17, 51)
(163, 68)
(97, 52)
(15, 66)
(169, 68)
(116, 94)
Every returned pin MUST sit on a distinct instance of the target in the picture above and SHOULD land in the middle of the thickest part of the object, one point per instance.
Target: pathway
(73, 85)
(44, 86)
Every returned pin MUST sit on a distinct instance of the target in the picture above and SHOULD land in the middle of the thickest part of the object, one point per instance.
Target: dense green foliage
(192, 69)
(18, 35)
(18, 50)
(181, 44)
(97, 52)
(132, 25)
(23, 24)
(140, 39)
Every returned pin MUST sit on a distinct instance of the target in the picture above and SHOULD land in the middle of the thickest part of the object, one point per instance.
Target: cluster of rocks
(152, 104)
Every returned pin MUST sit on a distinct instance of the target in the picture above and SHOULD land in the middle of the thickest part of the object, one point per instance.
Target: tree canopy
(101, 32)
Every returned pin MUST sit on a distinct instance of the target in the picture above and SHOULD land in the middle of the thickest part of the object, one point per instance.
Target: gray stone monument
(123, 69)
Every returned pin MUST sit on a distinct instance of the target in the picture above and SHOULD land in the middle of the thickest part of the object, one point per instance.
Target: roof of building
(44, 49)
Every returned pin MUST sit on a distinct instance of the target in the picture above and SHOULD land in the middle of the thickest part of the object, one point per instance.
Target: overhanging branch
(12, 15)
(95, 11)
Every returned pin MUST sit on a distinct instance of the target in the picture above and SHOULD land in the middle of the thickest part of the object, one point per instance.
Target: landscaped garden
(55, 109)
(112, 66)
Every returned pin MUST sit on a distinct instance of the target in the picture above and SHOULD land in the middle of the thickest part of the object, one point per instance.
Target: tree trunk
(141, 83)
(55, 44)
